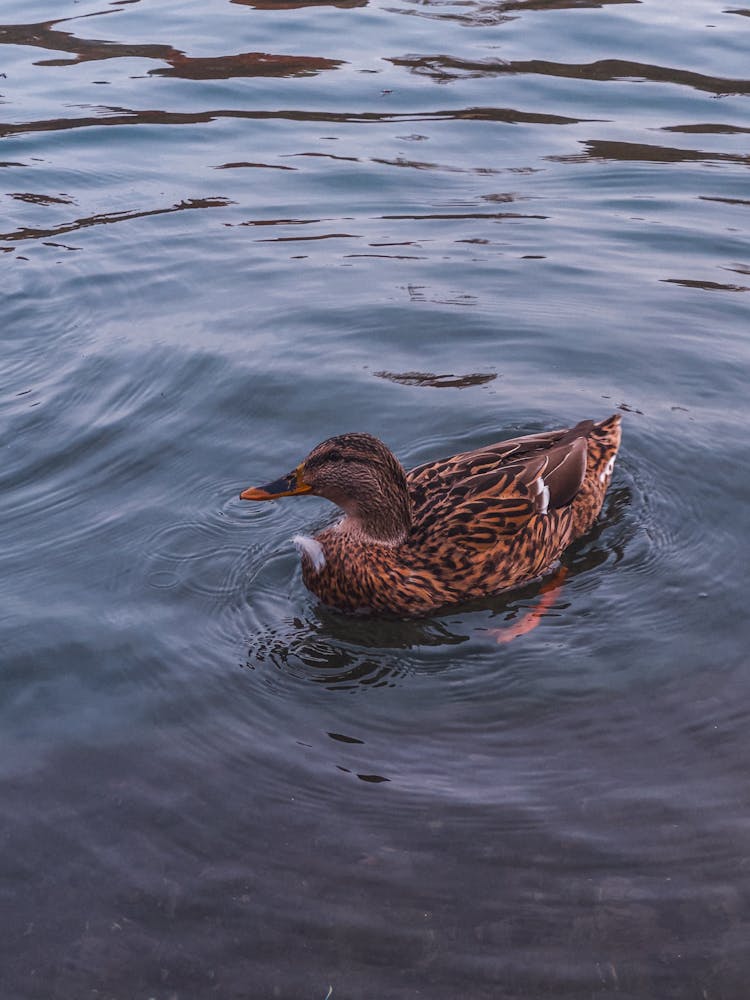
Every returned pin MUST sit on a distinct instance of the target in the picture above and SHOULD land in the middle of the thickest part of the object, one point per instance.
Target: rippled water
(231, 229)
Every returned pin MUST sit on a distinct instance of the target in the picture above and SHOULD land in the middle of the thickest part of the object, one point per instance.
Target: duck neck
(383, 515)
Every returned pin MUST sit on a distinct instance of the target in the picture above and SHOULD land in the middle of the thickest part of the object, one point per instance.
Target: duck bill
(288, 486)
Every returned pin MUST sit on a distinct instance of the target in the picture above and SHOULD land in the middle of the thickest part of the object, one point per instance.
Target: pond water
(231, 229)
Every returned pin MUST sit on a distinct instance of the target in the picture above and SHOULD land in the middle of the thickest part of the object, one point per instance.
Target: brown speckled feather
(475, 524)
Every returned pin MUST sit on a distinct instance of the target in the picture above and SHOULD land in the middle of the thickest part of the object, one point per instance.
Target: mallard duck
(452, 530)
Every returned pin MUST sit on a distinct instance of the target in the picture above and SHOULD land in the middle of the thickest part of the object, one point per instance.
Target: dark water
(232, 229)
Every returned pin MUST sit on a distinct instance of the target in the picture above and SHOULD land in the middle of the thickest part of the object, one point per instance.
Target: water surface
(231, 229)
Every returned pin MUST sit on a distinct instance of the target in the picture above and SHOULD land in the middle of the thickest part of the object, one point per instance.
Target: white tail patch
(607, 470)
(540, 490)
(544, 501)
(312, 549)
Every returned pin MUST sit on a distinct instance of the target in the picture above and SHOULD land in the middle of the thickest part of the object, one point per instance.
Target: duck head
(360, 475)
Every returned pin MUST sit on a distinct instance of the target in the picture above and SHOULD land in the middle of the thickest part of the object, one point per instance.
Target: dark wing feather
(565, 471)
(476, 497)
(450, 471)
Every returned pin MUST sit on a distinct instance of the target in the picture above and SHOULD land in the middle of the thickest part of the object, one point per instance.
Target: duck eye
(334, 456)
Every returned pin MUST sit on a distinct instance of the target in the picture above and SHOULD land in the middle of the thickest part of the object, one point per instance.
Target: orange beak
(287, 486)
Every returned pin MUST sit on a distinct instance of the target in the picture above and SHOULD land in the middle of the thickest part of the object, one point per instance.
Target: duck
(452, 530)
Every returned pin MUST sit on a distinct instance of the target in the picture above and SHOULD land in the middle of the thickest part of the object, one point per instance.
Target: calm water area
(232, 228)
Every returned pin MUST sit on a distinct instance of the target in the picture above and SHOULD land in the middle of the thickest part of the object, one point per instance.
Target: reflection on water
(708, 286)
(320, 649)
(596, 149)
(491, 14)
(299, 4)
(100, 220)
(45, 35)
(438, 381)
(446, 69)
(211, 785)
(244, 64)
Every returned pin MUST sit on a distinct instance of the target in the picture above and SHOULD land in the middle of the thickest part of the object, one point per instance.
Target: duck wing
(475, 497)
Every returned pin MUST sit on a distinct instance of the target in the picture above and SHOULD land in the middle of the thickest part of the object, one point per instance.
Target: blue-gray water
(232, 229)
